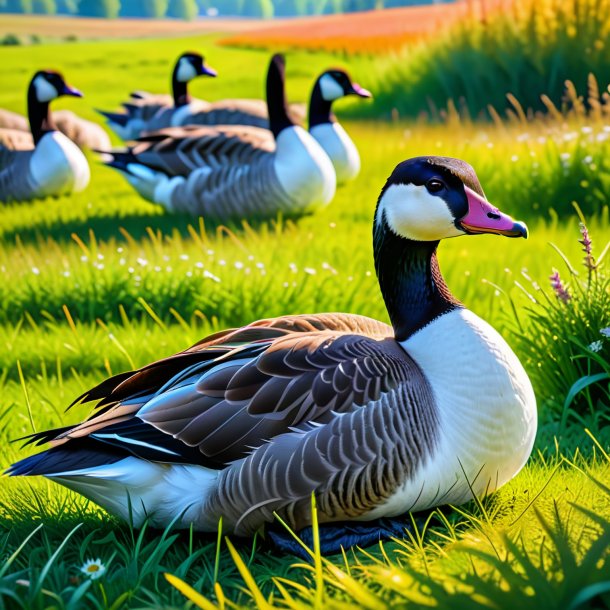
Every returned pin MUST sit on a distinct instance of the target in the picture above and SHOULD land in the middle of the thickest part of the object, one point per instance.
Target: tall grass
(529, 49)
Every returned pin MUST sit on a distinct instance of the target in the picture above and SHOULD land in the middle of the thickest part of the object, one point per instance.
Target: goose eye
(434, 186)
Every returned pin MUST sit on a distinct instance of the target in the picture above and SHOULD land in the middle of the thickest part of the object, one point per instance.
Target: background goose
(85, 134)
(323, 125)
(150, 112)
(375, 420)
(52, 164)
(231, 171)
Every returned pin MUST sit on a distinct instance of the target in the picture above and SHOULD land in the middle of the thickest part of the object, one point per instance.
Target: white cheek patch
(186, 72)
(330, 88)
(412, 212)
(45, 91)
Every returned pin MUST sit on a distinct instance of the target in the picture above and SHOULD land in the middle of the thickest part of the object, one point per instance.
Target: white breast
(303, 168)
(487, 413)
(340, 148)
(58, 165)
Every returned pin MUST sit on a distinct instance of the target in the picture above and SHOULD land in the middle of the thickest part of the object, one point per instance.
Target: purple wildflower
(561, 292)
(587, 248)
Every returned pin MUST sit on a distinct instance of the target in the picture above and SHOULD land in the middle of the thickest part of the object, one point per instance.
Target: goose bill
(67, 90)
(482, 217)
(360, 91)
(207, 71)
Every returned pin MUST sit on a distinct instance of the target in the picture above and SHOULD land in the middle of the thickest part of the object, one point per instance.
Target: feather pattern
(254, 401)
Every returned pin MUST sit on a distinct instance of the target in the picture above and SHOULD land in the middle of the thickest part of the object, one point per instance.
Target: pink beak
(482, 217)
(360, 91)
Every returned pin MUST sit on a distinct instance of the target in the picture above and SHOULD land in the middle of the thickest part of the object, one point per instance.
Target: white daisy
(93, 568)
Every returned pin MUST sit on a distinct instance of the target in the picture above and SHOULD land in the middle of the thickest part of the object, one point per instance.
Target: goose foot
(335, 536)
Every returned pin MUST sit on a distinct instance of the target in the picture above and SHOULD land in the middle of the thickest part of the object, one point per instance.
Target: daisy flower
(93, 568)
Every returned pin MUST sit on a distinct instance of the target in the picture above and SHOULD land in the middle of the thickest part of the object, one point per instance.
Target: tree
(183, 9)
(143, 8)
(18, 6)
(257, 8)
(44, 7)
(99, 8)
(67, 7)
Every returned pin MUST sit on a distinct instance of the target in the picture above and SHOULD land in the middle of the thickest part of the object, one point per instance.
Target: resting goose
(376, 420)
(230, 171)
(52, 164)
(85, 134)
(149, 112)
(323, 125)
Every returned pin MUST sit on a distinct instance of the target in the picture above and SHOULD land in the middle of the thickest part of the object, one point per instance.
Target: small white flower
(309, 270)
(184, 257)
(35, 270)
(93, 568)
(142, 262)
(211, 276)
(238, 265)
(596, 346)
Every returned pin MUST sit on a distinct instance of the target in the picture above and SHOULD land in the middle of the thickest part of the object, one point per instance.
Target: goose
(375, 420)
(232, 171)
(323, 125)
(150, 112)
(50, 165)
(85, 134)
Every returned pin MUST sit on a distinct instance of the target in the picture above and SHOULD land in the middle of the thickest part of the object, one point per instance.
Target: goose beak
(67, 90)
(482, 217)
(207, 71)
(360, 91)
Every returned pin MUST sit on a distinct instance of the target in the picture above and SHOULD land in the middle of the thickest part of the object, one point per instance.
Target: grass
(100, 282)
(528, 49)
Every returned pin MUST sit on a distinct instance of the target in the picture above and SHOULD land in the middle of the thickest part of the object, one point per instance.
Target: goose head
(424, 200)
(331, 85)
(427, 199)
(45, 86)
(189, 66)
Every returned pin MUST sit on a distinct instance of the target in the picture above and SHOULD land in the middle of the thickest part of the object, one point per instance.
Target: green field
(103, 281)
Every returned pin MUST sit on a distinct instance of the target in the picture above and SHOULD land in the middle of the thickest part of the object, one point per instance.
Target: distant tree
(290, 8)
(230, 7)
(44, 7)
(18, 6)
(257, 8)
(99, 8)
(143, 8)
(183, 9)
(67, 7)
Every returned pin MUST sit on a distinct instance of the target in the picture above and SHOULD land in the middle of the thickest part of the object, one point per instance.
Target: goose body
(85, 134)
(49, 163)
(151, 112)
(323, 125)
(233, 171)
(376, 420)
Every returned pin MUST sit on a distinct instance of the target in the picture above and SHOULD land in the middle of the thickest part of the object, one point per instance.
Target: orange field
(367, 32)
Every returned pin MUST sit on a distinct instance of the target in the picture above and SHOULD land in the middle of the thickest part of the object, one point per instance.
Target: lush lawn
(103, 281)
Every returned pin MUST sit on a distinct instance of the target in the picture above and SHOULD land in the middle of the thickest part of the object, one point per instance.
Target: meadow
(100, 282)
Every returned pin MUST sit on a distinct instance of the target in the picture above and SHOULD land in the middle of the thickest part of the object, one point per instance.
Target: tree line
(191, 9)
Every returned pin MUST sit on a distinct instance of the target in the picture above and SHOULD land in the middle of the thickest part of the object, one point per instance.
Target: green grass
(529, 48)
(102, 281)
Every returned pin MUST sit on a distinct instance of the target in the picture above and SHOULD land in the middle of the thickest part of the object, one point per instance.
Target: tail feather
(61, 460)
(115, 117)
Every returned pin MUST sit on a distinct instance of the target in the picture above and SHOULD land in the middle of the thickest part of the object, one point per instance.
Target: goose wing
(13, 140)
(85, 134)
(177, 151)
(236, 388)
(243, 112)
(12, 120)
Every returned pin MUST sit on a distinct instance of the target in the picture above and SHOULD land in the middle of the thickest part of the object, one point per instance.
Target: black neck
(411, 283)
(319, 109)
(179, 90)
(40, 118)
(277, 106)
